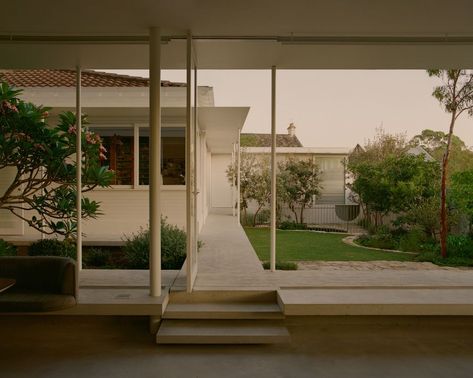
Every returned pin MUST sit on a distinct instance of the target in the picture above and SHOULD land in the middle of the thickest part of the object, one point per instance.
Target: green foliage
(460, 252)
(136, 249)
(393, 183)
(299, 184)
(41, 158)
(461, 192)
(435, 143)
(173, 248)
(413, 241)
(379, 240)
(7, 249)
(281, 265)
(97, 257)
(53, 247)
(291, 225)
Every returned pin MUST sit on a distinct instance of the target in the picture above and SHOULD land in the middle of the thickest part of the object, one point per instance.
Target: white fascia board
(300, 150)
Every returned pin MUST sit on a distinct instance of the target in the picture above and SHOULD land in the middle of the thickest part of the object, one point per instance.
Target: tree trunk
(293, 209)
(443, 195)
(256, 214)
(302, 214)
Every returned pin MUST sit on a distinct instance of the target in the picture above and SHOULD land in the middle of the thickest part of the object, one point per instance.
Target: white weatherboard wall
(221, 194)
(9, 224)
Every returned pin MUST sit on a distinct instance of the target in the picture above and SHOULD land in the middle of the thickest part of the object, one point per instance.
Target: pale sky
(331, 108)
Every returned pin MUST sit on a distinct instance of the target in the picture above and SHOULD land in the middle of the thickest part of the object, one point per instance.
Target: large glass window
(119, 145)
(119, 142)
(173, 158)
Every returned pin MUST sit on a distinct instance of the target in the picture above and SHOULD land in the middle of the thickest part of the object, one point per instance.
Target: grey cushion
(23, 301)
(43, 283)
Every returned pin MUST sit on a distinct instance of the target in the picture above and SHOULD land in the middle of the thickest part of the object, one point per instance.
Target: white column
(238, 153)
(78, 175)
(188, 165)
(195, 165)
(155, 161)
(273, 171)
(233, 180)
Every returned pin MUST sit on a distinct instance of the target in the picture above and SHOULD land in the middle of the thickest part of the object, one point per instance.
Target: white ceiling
(392, 34)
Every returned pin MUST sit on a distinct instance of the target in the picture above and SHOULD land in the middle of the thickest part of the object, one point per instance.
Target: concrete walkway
(226, 248)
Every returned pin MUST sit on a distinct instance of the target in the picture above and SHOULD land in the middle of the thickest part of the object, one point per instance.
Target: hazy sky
(332, 108)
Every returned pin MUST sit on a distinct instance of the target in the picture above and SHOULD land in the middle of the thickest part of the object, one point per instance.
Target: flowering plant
(39, 163)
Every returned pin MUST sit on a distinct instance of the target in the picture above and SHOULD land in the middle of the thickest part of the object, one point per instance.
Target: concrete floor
(59, 346)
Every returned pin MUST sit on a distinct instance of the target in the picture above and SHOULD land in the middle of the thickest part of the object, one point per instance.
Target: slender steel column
(155, 161)
(189, 168)
(78, 175)
(273, 170)
(238, 176)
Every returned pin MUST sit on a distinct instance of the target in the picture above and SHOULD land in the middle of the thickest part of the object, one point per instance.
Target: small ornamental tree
(255, 182)
(41, 160)
(298, 184)
(455, 94)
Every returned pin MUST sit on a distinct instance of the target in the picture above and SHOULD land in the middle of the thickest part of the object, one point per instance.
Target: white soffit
(221, 126)
(297, 34)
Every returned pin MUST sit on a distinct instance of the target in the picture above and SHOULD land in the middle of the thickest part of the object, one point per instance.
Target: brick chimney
(291, 130)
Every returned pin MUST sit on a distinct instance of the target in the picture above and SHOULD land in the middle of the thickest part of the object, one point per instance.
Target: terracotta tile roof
(264, 140)
(67, 78)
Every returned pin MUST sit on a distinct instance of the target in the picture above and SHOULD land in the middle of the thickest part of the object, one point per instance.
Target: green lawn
(315, 246)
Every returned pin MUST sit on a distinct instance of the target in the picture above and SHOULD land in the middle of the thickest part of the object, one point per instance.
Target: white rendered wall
(221, 191)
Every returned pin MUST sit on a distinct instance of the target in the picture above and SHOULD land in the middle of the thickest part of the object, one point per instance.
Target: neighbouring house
(331, 161)
(118, 110)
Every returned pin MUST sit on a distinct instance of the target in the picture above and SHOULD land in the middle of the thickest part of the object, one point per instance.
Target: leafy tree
(435, 142)
(299, 184)
(394, 184)
(248, 169)
(462, 193)
(42, 191)
(380, 147)
(455, 95)
(255, 181)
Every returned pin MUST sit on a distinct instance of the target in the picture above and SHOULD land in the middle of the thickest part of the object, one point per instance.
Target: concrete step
(376, 301)
(223, 311)
(223, 296)
(222, 332)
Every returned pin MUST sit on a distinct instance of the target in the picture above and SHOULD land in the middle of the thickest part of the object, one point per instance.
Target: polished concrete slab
(365, 347)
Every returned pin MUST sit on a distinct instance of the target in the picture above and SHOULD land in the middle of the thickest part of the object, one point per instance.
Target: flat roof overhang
(221, 124)
(298, 34)
(331, 53)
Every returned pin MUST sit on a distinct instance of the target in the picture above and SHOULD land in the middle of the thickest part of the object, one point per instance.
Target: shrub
(7, 249)
(291, 225)
(459, 246)
(380, 240)
(281, 265)
(173, 248)
(97, 257)
(413, 241)
(52, 247)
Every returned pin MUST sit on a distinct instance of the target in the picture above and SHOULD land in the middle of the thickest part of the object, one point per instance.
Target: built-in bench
(43, 283)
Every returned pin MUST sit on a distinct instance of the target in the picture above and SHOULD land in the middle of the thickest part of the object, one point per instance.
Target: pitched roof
(264, 140)
(67, 78)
